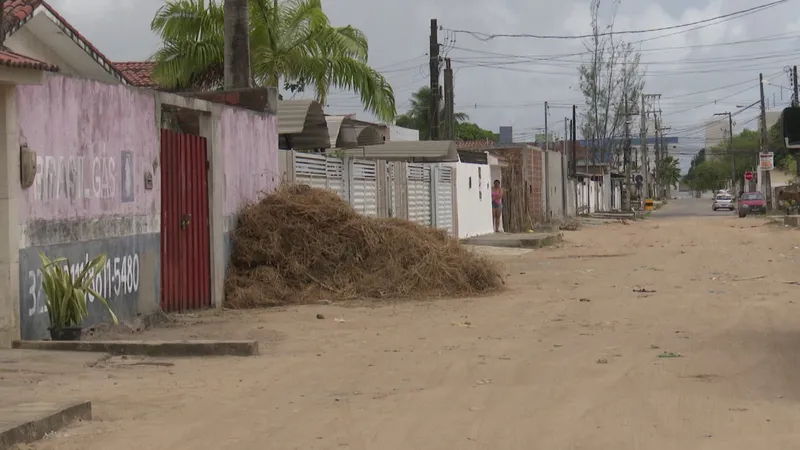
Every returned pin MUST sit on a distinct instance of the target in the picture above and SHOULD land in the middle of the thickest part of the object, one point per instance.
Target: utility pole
(796, 102)
(546, 157)
(546, 136)
(657, 150)
(730, 147)
(434, 68)
(449, 103)
(626, 159)
(645, 162)
(574, 142)
(564, 171)
(764, 176)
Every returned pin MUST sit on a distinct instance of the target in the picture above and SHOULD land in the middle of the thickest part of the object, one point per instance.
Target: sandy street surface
(566, 358)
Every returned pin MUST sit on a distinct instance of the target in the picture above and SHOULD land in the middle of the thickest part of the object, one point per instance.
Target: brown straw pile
(302, 244)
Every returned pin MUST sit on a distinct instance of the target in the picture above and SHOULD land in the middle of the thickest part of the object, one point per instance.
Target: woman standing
(497, 204)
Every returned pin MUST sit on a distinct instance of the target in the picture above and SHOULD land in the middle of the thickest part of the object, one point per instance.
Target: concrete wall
(554, 193)
(95, 143)
(474, 197)
(250, 167)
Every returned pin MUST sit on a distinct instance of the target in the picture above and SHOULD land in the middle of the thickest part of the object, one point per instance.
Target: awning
(344, 132)
(304, 124)
(419, 151)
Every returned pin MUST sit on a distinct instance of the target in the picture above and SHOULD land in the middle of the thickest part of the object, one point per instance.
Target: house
(107, 176)
(33, 29)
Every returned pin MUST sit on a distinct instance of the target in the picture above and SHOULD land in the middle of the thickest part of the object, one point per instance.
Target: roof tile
(11, 59)
(16, 12)
(139, 73)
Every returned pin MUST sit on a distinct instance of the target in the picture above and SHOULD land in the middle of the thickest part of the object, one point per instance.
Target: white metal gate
(320, 171)
(419, 193)
(364, 187)
(443, 187)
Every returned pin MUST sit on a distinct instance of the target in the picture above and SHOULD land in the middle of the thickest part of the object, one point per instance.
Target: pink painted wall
(249, 156)
(86, 134)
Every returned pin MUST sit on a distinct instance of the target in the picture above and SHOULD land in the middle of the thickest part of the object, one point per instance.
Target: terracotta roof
(11, 59)
(138, 72)
(17, 12)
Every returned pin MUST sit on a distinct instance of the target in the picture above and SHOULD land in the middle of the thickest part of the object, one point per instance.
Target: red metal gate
(185, 247)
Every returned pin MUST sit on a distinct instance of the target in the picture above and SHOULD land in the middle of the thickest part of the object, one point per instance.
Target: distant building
(717, 132)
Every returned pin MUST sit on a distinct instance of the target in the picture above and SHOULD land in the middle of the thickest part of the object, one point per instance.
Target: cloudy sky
(699, 73)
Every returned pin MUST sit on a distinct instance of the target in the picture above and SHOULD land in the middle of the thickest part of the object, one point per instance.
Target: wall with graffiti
(97, 188)
(94, 143)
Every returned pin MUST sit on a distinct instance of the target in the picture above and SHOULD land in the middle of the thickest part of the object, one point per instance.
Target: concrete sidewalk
(515, 240)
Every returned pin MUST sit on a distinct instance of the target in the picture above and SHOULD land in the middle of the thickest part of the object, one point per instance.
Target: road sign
(766, 160)
(638, 178)
(748, 176)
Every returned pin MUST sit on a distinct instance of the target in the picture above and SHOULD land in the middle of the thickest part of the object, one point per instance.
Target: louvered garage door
(419, 193)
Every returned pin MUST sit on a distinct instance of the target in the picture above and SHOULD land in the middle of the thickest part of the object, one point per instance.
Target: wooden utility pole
(449, 103)
(434, 68)
(236, 65)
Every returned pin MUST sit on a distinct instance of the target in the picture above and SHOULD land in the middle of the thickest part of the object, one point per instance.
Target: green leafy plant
(66, 292)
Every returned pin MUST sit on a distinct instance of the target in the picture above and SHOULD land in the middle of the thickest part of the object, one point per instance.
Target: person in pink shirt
(497, 204)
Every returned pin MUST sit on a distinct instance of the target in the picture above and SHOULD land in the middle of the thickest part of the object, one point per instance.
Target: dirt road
(566, 358)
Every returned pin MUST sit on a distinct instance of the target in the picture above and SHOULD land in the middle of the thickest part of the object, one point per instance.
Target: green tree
(669, 172)
(418, 117)
(709, 175)
(468, 131)
(292, 43)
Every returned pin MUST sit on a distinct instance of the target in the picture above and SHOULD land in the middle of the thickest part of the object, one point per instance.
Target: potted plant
(66, 294)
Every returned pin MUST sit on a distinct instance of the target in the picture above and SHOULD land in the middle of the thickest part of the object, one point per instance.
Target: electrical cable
(735, 14)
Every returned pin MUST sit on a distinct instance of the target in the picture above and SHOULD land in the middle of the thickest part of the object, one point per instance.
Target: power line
(551, 56)
(487, 37)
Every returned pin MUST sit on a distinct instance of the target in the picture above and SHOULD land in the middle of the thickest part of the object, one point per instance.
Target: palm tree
(418, 116)
(237, 44)
(292, 43)
(669, 173)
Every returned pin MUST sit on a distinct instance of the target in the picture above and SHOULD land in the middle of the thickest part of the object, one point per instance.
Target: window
(752, 196)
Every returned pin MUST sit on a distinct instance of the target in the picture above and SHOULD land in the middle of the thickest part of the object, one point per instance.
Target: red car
(751, 203)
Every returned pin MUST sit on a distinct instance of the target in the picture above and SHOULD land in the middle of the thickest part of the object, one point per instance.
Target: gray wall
(130, 281)
(555, 175)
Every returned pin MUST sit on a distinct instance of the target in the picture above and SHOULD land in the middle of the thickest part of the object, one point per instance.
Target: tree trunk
(237, 44)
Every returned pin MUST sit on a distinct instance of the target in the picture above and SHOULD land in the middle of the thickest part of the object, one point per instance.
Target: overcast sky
(513, 94)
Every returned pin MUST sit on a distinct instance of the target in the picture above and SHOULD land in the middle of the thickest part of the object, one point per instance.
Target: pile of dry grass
(301, 244)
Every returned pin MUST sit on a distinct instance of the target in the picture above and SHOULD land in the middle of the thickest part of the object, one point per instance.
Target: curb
(54, 418)
(148, 348)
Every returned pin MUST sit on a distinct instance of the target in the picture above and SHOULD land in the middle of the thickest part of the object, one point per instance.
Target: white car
(723, 201)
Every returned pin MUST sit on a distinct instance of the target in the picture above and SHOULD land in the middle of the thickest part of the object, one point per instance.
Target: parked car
(751, 203)
(723, 201)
